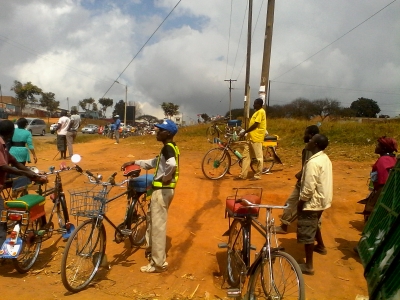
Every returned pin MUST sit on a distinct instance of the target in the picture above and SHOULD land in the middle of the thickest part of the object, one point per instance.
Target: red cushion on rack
(241, 209)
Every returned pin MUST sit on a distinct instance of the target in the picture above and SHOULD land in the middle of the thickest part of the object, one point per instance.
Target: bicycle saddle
(132, 171)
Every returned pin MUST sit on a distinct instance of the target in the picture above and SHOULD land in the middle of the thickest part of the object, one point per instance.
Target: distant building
(10, 105)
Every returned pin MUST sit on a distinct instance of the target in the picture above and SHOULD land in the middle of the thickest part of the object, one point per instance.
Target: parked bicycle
(86, 246)
(274, 274)
(27, 224)
(218, 161)
(222, 127)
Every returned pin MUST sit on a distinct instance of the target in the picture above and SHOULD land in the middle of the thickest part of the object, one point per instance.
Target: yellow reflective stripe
(172, 184)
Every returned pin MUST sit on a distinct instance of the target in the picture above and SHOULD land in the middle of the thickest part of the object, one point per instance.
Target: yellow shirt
(257, 135)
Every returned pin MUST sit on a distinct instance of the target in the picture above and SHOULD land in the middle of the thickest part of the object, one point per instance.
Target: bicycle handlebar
(43, 175)
(251, 204)
(110, 181)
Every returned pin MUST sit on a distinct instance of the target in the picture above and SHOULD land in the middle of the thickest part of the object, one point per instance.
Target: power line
(336, 39)
(140, 50)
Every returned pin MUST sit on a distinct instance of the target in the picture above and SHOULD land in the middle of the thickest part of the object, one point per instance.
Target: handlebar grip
(89, 173)
(78, 169)
(115, 174)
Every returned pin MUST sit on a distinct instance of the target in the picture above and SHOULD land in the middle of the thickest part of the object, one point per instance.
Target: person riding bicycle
(166, 166)
(256, 130)
(17, 168)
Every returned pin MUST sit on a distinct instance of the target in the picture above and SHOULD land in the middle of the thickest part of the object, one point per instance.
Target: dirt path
(195, 227)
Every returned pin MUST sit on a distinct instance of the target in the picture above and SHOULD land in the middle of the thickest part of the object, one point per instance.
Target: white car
(90, 128)
(53, 128)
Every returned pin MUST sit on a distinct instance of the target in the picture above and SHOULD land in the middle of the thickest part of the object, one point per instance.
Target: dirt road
(195, 227)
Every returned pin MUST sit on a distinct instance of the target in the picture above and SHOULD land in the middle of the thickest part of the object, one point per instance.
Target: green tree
(170, 109)
(365, 107)
(105, 103)
(74, 110)
(25, 93)
(119, 109)
(48, 101)
(300, 108)
(206, 117)
(325, 107)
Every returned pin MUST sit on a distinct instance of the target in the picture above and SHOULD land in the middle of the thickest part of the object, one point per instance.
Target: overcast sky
(78, 48)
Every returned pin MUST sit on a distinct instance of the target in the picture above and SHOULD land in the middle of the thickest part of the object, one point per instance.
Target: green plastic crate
(379, 247)
(380, 268)
(388, 286)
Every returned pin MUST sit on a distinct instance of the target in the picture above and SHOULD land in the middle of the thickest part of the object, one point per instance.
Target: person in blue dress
(21, 142)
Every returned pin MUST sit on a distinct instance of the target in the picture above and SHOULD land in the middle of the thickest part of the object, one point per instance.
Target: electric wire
(336, 39)
(141, 48)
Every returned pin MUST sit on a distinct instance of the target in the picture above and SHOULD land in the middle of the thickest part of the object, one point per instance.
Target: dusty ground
(196, 224)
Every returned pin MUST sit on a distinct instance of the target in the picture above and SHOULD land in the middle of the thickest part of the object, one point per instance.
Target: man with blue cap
(166, 175)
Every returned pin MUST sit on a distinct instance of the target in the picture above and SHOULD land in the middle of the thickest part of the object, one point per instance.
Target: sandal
(320, 250)
(306, 271)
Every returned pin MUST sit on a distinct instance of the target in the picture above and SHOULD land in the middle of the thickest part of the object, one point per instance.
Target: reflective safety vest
(172, 184)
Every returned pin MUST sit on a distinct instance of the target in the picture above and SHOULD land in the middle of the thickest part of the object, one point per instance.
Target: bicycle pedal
(222, 245)
(253, 247)
(233, 293)
(126, 231)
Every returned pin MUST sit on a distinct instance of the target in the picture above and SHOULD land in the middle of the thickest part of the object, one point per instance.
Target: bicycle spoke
(82, 256)
(278, 278)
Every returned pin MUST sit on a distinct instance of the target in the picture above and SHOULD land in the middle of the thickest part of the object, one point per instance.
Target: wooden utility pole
(267, 52)
(230, 97)
(247, 85)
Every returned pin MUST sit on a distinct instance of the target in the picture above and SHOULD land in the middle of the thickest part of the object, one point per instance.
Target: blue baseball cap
(168, 125)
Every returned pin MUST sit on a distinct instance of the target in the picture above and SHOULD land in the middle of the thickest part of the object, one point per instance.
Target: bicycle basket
(88, 203)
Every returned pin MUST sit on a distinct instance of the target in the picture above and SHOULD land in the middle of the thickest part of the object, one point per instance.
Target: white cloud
(76, 49)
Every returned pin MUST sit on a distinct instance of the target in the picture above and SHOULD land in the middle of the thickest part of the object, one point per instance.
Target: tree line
(28, 93)
(302, 108)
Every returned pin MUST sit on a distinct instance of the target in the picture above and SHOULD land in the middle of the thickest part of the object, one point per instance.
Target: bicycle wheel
(238, 253)
(216, 163)
(212, 133)
(83, 254)
(283, 281)
(268, 161)
(138, 224)
(31, 244)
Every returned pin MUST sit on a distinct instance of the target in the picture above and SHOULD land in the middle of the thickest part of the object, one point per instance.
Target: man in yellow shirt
(255, 139)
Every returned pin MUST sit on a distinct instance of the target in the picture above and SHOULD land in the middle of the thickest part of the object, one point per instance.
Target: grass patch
(348, 140)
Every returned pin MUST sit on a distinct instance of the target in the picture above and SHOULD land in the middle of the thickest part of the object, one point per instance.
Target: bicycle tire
(216, 163)
(268, 161)
(83, 255)
(31, 244)
(212, 133)
(137, 215)
(238, 253)
(287, 282)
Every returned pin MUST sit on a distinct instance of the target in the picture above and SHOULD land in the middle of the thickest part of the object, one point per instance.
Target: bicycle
(218, 161)
(274, 274)
(229, 127)
(86, 247)
(27, 218)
